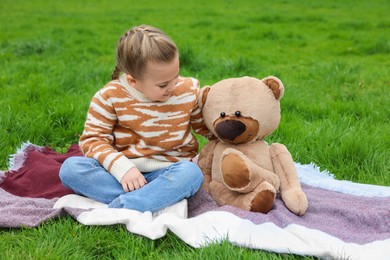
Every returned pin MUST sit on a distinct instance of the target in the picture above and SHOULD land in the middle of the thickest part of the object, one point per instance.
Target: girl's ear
(275, 85)
(203, 96)
(132, 81)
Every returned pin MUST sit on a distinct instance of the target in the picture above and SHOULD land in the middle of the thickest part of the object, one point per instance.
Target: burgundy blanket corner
(38, 175)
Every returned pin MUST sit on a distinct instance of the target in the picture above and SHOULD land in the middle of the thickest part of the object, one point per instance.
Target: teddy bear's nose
(230, 129)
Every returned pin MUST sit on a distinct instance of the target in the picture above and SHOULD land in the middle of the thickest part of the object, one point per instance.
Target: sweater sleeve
(97, 138)
(197, 121)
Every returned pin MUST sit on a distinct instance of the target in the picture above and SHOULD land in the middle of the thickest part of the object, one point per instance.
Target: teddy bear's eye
(237, 113)
(223, 114)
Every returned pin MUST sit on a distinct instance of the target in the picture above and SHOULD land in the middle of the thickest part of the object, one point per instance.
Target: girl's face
(159, 80)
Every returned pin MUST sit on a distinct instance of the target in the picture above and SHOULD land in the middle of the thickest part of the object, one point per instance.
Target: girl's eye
(163, 85)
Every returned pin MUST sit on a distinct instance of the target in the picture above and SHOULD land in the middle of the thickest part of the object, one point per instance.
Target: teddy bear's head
(242, 110)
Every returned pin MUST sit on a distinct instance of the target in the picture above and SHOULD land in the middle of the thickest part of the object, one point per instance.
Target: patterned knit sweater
(124, 129)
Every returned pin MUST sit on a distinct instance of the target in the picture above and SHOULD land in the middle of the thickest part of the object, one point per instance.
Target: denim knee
(194, 173)
(67, 169)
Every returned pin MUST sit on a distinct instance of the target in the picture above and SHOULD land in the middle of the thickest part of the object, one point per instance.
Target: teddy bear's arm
(205, 162)
(290, 187)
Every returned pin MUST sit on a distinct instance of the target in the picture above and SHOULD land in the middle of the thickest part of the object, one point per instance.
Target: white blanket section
(216, 226)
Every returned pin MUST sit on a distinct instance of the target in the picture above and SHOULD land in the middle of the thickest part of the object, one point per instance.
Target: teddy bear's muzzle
(230, 129)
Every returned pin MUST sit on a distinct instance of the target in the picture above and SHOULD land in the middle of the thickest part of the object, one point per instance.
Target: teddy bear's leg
(290, 187)
(259, 200)
(240, 174)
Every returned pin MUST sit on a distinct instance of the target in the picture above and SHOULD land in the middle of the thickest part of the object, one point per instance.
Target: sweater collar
(138, 95)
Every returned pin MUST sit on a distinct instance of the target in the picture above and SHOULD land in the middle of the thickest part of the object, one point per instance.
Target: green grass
(333, 57)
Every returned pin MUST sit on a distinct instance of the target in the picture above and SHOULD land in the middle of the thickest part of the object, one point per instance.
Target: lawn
(332, 56)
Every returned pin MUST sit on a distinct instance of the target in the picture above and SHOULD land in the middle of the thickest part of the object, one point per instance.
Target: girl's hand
(133, 180)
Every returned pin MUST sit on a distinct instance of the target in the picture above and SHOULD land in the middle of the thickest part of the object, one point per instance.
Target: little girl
(137, 138)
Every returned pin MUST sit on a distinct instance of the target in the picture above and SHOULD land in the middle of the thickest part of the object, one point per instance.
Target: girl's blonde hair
(140, 45)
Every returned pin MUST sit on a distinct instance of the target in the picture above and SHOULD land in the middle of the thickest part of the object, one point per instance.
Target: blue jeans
(86, 177)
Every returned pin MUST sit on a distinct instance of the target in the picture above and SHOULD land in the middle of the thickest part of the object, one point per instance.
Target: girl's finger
(125, 188)
(130, 186)
(136, 185)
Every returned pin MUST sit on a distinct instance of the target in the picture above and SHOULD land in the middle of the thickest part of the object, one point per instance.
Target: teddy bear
(239, 167)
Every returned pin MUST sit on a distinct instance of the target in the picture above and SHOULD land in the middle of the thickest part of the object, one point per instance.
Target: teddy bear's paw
(296, 201)
(263, 201)
(235, 172)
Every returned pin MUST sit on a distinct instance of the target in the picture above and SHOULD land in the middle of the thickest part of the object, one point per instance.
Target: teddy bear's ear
(203, 96)
(275, 85)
